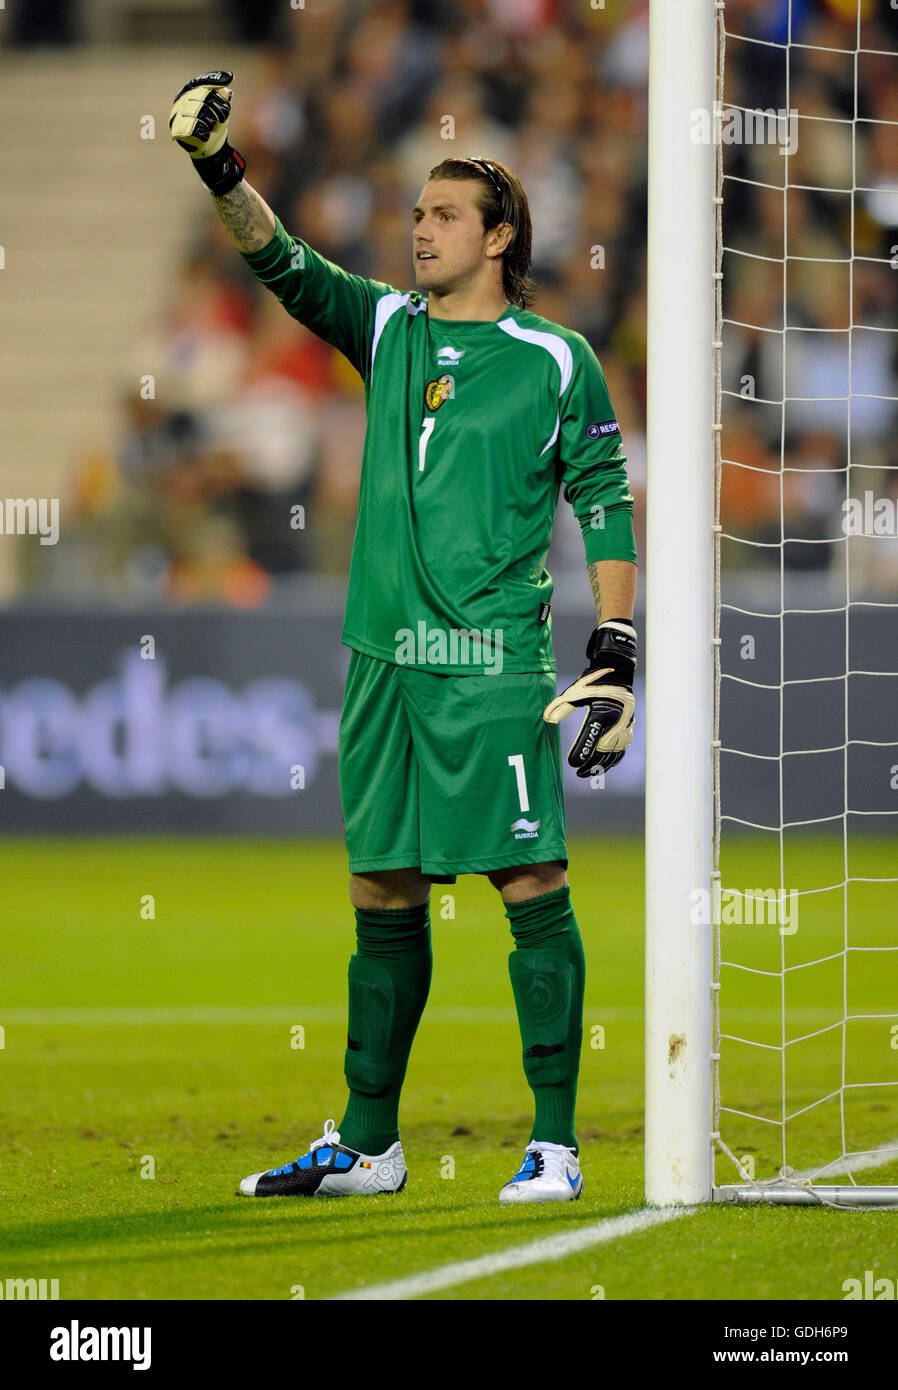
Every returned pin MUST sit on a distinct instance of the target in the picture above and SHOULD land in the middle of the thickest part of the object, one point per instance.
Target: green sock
(389, 979)
(547, 971)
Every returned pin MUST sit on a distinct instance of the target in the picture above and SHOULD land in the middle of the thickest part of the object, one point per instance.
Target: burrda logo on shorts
(525, 829)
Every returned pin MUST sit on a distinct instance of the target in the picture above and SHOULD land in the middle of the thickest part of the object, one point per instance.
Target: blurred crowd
(247, 475)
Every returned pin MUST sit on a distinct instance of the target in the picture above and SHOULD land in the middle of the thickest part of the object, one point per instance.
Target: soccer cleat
(329, 1169)
(549, 1173)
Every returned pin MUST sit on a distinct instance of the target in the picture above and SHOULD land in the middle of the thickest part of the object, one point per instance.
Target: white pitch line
(64, 1015)
(143, 1015)
(263, 1014)
(557, 1247)
(518, 1256)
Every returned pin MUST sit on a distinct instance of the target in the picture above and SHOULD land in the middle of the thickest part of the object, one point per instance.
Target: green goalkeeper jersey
(472, 429)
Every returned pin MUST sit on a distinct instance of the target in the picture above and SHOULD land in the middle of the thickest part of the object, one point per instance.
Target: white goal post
(685, 357)
(678, 665)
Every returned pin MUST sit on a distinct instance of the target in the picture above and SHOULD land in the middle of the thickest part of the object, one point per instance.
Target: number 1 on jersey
(516, 760)
(426, 432)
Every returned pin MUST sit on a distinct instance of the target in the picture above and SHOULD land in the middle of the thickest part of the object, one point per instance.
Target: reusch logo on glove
(598, 431)
(595, 731)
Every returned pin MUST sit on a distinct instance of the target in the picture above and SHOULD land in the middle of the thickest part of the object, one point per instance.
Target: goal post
(771, 414)
(679, 608)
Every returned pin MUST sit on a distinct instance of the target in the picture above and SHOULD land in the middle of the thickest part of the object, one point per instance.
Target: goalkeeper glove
(605, 693)
(199, 124)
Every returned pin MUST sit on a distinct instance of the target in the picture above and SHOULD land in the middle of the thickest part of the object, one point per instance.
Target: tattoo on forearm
(593, 571)
(246, 218)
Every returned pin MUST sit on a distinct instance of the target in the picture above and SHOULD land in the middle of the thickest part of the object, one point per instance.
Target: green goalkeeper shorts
(449, 774)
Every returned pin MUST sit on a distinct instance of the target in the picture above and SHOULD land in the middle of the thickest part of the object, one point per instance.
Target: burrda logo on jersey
(525, 829)
(449, 356)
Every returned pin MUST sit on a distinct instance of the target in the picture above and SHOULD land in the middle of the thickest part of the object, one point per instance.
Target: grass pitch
(151, 1061)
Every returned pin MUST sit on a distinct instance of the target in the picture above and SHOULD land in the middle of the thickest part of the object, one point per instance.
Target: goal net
(804, 884)
(793, 910)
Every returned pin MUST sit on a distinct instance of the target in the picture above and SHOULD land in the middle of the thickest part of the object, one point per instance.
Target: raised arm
(337, 306)
(199, 124)
(246, 217)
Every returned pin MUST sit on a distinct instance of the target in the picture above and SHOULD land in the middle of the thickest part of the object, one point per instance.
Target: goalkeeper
(478, 412)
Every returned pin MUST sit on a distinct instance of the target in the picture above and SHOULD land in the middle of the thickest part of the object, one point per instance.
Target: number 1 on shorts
(516, 760)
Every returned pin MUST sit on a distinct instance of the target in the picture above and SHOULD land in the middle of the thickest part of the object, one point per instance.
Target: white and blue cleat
(330, 1169)
(549, 1173)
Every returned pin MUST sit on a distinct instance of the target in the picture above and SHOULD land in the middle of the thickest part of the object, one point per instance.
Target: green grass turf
(168, 1039)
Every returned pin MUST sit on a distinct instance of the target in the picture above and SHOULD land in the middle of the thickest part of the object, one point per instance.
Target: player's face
(448, 238)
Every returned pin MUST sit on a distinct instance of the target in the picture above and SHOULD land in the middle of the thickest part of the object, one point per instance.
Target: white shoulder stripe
(387, 306)
(547, 446)
(550, 341)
